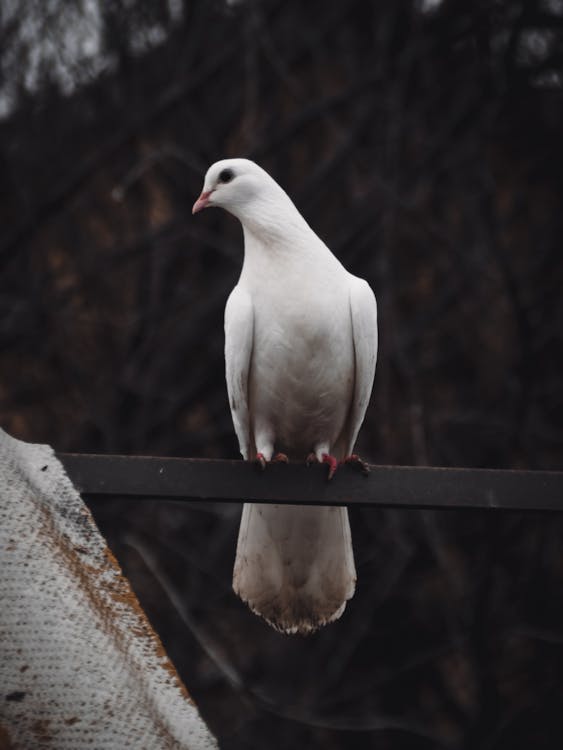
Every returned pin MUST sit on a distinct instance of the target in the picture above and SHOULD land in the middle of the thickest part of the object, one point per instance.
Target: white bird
(300, 353)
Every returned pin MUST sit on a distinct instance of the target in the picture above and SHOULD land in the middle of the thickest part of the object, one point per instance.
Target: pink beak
(202, 201)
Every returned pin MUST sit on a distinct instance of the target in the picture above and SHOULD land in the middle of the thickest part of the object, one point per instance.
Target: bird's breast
(302, 371)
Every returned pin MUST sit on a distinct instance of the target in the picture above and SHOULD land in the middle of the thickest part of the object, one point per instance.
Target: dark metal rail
(192, 479)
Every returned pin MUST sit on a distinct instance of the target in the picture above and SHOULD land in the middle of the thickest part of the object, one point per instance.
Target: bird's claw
(279, 458)
(355, 460)
(325, 459)
(332, 464)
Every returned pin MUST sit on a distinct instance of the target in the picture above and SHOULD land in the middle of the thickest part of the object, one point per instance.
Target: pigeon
(300, 354)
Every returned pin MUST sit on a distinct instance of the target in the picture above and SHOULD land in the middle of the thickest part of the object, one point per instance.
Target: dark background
(423, 142)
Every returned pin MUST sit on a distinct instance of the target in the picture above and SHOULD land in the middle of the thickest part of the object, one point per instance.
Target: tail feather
(294, 564)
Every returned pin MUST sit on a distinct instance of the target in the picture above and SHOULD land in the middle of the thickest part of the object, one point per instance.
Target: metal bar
(191, 479)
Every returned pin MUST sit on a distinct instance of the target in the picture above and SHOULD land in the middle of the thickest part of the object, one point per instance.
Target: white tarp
(80, 666)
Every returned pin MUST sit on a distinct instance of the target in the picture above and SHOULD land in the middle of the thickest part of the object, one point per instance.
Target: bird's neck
(272, 220)
(283, 263)
(278, 242)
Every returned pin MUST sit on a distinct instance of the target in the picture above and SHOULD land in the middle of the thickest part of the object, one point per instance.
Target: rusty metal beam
(143, 477)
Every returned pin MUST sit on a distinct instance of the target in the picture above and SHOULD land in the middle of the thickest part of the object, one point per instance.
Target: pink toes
(279, 458)
(352, 460)
(355, 460)
(332, 464)
(326, 459)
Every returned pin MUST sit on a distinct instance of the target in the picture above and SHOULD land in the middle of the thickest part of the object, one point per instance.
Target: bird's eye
(226, 175)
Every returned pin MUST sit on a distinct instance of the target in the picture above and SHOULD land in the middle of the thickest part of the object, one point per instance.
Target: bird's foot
(355, 460)
(279, 458)
(325, 459)
(332, 464)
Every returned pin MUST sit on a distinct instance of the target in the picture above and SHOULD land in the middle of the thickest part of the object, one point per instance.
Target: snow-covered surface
(80, 666)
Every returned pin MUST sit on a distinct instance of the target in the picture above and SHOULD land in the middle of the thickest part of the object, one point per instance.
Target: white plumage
(300, 353)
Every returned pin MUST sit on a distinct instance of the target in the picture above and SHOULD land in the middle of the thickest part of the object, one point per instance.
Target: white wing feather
(363, 309)
(239, 336)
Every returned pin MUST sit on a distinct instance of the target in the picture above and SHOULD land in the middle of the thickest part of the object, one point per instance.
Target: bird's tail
(294, 564)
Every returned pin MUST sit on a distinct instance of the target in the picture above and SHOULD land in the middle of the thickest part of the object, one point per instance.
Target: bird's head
(243, 189)
(232, 184)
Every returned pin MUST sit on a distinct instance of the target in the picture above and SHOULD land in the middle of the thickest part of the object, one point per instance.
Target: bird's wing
(239, 336)
(363, 309)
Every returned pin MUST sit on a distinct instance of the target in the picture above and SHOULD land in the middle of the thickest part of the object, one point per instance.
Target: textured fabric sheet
(80, 666)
